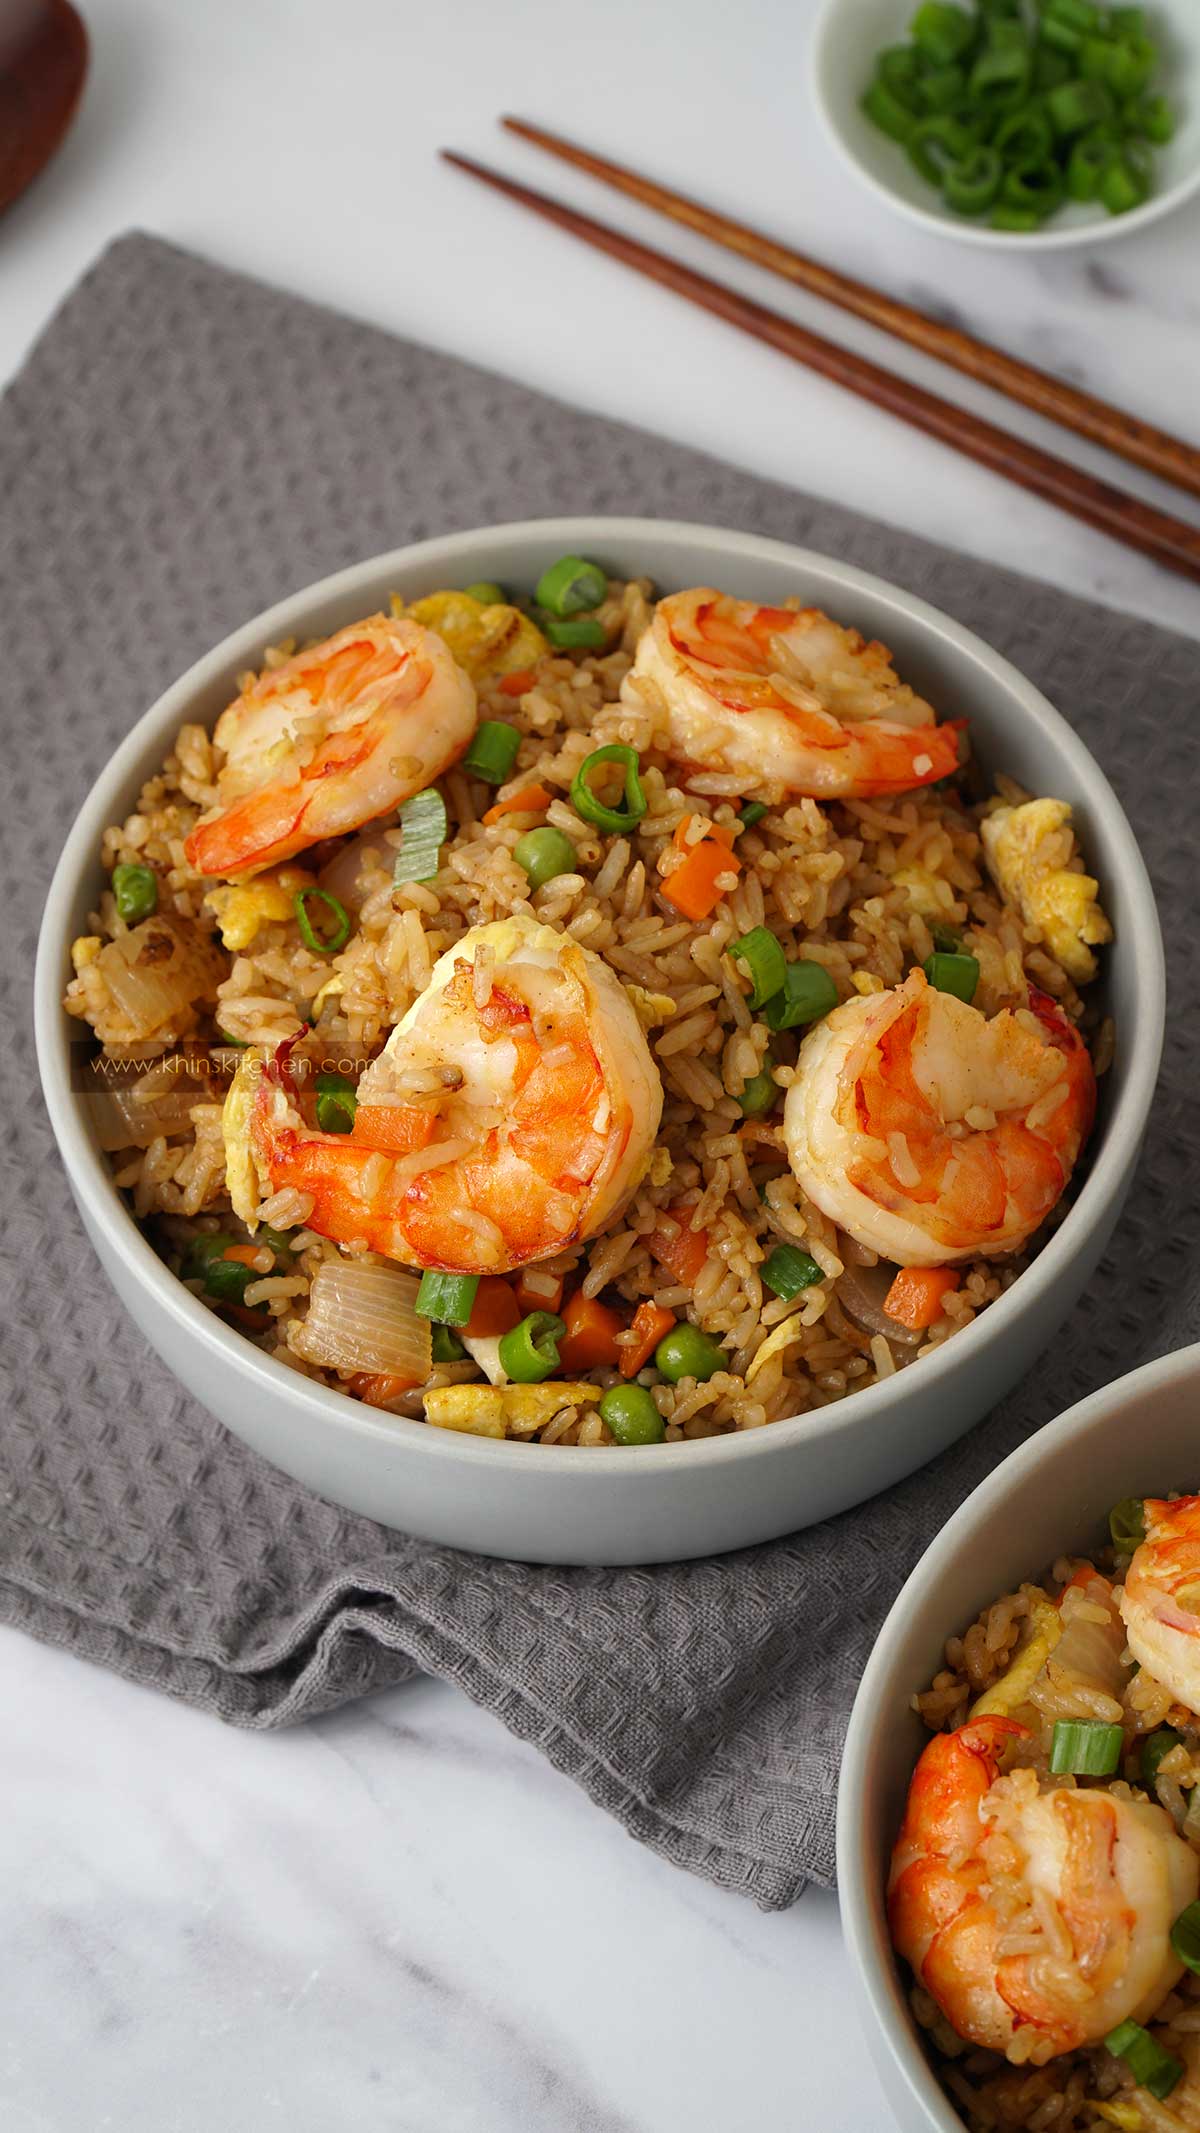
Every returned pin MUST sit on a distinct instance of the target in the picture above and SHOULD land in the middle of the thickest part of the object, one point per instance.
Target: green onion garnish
(228, 1280)
(545, 853)
(571, 586)
(1085, 1747)
(240, 1044)
(448, 1298)
(751, 814)
(957, 974)
(631, 1415)
(1152, 2068)
(1127, 1524)
(529, 1352)
(486, 591)
(1185, 1938)
(1038, 186)
(585, 803)
(973, 183)
(942, 33)
(945, 940)
(1079, 104)
(787, 1270)
(201, 1252)
(575, 633)
(808, 993)
(424, 826)
(341, 921)
(765, 963)
(135, 890)
(1155, 1747)
(493, 751)
(446, 1345)
(337, 1102)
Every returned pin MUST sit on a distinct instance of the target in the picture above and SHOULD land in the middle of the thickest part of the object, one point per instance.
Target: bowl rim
(103, 1207)
(958, 228)
(872, 1967)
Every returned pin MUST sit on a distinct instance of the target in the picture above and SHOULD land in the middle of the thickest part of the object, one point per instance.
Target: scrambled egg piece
(241, 907)
(241, 1176)
(483, 640)
(487, 1410)
(1013, 1687)
(1028, 849)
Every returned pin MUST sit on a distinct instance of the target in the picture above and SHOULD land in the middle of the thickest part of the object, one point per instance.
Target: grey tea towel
(183, 448)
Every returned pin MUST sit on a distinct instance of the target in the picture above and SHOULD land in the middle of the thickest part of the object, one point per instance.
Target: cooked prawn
(513, 1111)
(1037, 1920)
(1160, 1601)
(334, 738)
(786, 698)
(931, 1132)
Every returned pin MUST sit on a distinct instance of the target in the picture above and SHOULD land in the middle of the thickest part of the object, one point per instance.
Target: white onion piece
(361, 1317)
(121, 1120)
(860, 1292)
(155, 973)
(1091, 1651)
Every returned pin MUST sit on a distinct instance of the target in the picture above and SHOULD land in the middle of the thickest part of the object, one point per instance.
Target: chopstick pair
(1169, 541)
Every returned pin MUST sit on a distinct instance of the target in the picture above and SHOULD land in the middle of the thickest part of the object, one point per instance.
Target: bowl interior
(1013, 727)
(1136, 1437)
(851, 32)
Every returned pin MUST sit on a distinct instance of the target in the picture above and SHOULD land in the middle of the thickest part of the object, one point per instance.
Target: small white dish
(847, 37)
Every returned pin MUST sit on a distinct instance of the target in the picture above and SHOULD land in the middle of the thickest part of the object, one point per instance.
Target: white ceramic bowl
(653, 1503)
(1138, 1437)
(847, 36)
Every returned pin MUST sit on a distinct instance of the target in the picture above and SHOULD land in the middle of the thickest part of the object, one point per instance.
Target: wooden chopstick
(1153, 449)
(1124, 518)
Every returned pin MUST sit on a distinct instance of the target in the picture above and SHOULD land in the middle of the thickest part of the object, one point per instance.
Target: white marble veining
(396, 1918)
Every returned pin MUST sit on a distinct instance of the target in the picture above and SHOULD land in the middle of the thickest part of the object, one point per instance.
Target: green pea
(544, 853)
(632, 1416)
(136, 891)
(758, 1096)
(686, 1352)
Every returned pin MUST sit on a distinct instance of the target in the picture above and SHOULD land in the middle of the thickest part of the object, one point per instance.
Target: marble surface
(396, 1918)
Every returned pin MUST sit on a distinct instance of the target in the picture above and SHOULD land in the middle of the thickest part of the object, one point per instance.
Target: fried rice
(857, 885)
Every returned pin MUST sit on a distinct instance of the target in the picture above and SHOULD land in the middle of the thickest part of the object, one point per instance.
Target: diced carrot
(529, 801)
(244, 1254)
(495, 1309)
(516, 684)
(682, 1255)
(539, 1291)
(378, 1387)
(590, 1341)
(692, 888)
(650, 1323)
(394, 1129)
(253, 1321)
(915, 1297)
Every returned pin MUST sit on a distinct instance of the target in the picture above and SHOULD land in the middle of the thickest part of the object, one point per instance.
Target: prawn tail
(266, 826)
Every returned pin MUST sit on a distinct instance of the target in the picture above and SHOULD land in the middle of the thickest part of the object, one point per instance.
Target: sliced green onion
(493, 751)
(935, 143)
(1155, 1747)
(759, 1094)
(957, 974)
(1127, 65)
(308, 934)
(1083, 15)
(486, 591)
(1037, 186)
(1127, 1524)
(1151, 115)
(751, 814)
(946, 940)
(942, 33)
(544, 854)
(424, 826)
(1004, 217)
(575, 633)
(240, 1044)
(1078, 105)
(135, 890)
(1090, 158)
(1185, 1938)
(808, 993)
(1128, 21)
(1125, 183)
(1025, 136)
(887, 112)
(448, 1298)
(1085, 1747)
(201, 1252)
(1050, 67)
(687, 1352)
(529, 1352)
(228, 1280)
(899, 68)
(942, 88)
(571, 586)
(1062, 36)
(445, 1345)
(337, 1102)
(765, 963)
(631, 1415)
(999, 78)
(585, 803)
(1152, 2068)
(787, 1270)
(972, 185)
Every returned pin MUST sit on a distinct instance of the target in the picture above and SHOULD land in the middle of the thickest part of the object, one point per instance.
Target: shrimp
(930, 1132)
(512, 1112)
(334, 738)
(786, 698)
(1160, 1600)
(1037, 1920)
